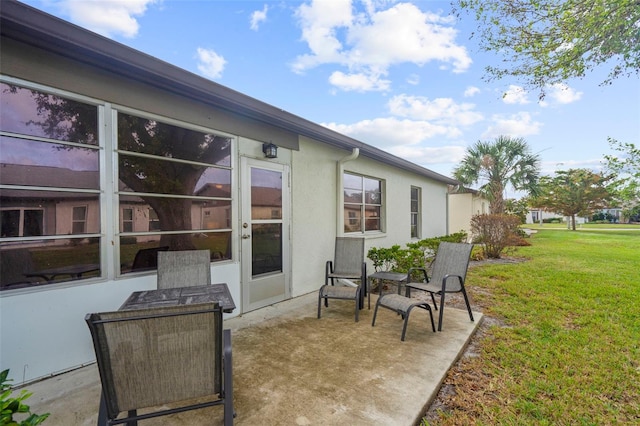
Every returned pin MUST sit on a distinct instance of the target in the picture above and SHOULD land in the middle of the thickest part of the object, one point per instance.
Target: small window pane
(51, 212)
(10, 223)
(266, 194)
(147, 136)
(372, 215)
(34, 163)
(352, 219)
(203, 214)
(34, 113)
(352, 182)
(52, 261)
(151, 175)
(266, 246)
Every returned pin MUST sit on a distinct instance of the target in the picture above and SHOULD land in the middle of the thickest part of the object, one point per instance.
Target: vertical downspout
(340, 192)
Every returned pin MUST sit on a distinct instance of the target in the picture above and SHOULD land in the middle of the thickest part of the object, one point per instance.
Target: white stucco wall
(43, 330)
(315, 213)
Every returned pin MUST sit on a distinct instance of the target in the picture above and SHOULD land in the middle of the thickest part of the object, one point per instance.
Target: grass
(566, 345)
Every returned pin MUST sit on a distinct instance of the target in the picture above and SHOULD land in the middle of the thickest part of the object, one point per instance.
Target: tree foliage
(626, 168)
(505, 161)
(544, 42)
(573, 192)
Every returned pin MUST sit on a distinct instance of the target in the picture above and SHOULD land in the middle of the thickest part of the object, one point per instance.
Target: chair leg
(433, 299)
(375, 312)
(357, 304)
(132, 413)
(102, 412)
(319, 301)
(466, 300)
(433, 324)
(229, 412)
(404, 325)
(441, 310)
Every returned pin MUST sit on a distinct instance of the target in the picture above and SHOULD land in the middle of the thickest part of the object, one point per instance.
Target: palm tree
(496, 164)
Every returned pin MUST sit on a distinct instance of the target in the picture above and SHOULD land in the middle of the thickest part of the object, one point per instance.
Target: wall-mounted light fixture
(270, 150)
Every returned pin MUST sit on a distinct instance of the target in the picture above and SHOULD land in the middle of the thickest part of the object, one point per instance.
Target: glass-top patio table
(181, 296)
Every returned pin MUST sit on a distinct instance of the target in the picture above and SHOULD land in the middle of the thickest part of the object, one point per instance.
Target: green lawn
(566, 347)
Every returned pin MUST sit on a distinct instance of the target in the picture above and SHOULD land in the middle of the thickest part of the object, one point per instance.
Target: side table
(397, 277)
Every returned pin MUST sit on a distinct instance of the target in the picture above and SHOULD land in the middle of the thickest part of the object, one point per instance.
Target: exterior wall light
(270, 150)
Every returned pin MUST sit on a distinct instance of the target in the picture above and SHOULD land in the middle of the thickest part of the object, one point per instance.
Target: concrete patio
(292, 369)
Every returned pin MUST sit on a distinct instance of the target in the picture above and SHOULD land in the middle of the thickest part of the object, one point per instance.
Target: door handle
(246, 236)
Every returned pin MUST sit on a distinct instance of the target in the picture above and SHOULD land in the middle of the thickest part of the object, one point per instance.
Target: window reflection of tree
(140, 142)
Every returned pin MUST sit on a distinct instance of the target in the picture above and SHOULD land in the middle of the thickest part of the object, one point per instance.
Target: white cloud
(374, 40)
(210, 64)
(390, 132)
(358, 82)
(515, 95)
(562, 94)
(471, 91)
(516, 125)
(429, 155)
(413, 79)
(107, 17)
(440, 110)
(257, 17)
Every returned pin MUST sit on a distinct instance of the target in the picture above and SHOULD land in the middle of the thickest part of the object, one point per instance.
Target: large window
(49, 188)
(172, 192)
(415, 212)
(362, 203)
(175, 188)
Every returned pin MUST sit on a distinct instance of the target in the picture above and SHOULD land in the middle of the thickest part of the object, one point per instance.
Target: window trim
(347, 219)
(417, 213)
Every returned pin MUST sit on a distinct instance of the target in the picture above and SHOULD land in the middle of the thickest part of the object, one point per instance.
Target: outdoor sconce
(270, 150)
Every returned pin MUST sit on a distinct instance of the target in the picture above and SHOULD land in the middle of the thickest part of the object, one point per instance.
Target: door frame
(278, 284)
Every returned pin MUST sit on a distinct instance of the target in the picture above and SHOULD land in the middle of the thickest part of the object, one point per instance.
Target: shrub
(9, 405)
(418, 254)
(495, 232)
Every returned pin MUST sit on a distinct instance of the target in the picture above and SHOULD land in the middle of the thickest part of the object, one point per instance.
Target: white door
(264, 233)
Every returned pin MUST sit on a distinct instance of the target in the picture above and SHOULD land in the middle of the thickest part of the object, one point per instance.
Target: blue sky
(403, 76)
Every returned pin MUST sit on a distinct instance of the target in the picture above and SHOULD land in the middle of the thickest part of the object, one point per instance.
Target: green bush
(418, 254)
(10, 405)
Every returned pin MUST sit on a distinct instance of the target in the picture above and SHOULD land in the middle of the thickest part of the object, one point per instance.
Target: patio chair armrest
(421, 269)
(328, 270)
(446, 277)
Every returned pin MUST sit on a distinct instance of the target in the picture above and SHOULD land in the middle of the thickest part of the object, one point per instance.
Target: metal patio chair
(448, 274)
(348, 264)
(177, 355)
(184, 268)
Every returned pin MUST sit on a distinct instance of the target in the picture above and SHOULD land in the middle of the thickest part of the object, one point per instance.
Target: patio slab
(292, 369)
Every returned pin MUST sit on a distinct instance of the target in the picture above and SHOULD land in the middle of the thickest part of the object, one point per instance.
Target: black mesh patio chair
(348, 265)
(184, 268)
(448, 274)
(177, 355)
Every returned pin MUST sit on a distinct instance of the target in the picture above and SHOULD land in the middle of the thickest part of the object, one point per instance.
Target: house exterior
(464, 203)
(106, 152)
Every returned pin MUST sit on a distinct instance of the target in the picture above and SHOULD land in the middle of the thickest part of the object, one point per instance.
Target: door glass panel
(266, 246)
(266, 194)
